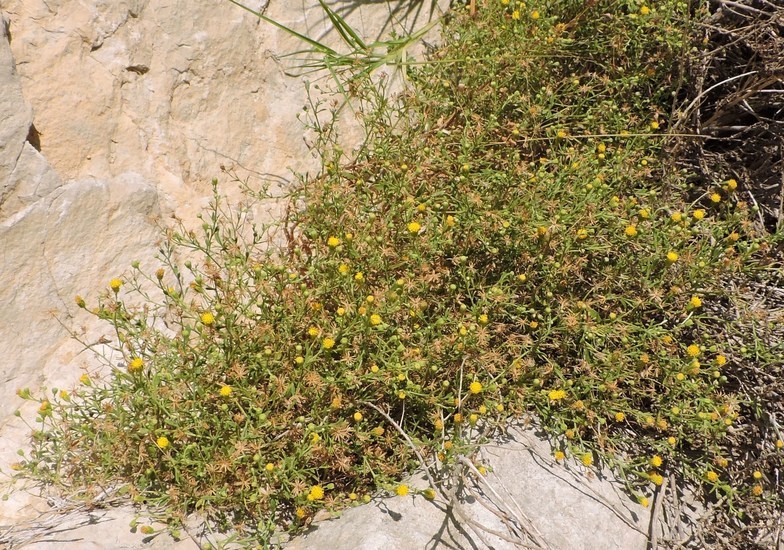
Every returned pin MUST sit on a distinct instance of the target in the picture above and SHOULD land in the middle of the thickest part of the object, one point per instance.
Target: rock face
(115, 115)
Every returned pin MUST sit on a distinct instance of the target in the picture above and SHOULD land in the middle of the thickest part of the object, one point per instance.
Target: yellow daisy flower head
(631, 231)
(587, 459)
(711, 476)
(620, 417)
(698, 214)
(656, 461)
(225, 391)
(672, 257)
(695, 302)
(162, 442)
(555, 395)
(732, 185)
(475, 387)
(645, 10)
(559, 455)
(207, 319)
(715, 198)
(401, 490)
(328, 343)
(375, 319)
(693, 350)
(357, 416)
(333, 242)
(136, 364)
(115, 285)
(316, 492)
(414, 227)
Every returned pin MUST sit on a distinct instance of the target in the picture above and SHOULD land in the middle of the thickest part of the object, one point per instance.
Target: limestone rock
(564, 507)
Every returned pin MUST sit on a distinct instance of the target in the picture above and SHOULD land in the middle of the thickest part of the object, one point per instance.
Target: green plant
(517, 245)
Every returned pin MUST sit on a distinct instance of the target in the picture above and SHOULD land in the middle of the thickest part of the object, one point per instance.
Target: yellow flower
(375, 319)
(483, 319)
(657, 479)
(619, 417)
(672, 441)
(341, 311)
(225, 391)
(756, 474)
(676, 217)
(534, 14)
(450, 221)
(779, 443)
(316, 493)
(645, 10)
(587, 459)
(582, 234)
(734, 236)
(699, 214)
(269, 466)
(631, 230)
(207, 318)
(475, 387)
(516, 15)
(561, 134)
(555, 395)
(414, 227)
(656, 461)
(136, 364)
(693, 350)
(352, 496)
(343, 269)
(359, 276)
(732, 185)
(85, 379)
(559, 455)
(115, 285)
(672, 257)
(711, 476)
(756, 490)
(695, 301)
(644, 213)
(373, 368)
(357, 416)
(482, 409)
(328, 343)
(654, 125)
(402, 490)
(333, 242)
(362, 310)
(378, 431)
(721, 360)
(162, 442)
(643, 502)
(715, 198)
(79, 301)
(300, 513)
